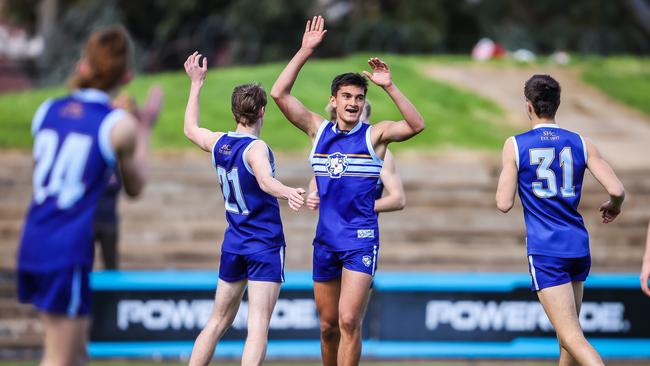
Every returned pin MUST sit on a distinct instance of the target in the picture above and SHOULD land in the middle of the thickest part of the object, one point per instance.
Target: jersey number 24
(65, 168)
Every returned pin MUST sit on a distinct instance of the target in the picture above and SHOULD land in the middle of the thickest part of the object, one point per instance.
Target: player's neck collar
(241, 134)
(546, 125)
(92, 96)
(354, 129)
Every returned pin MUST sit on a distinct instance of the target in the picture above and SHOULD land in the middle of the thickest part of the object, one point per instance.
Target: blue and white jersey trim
(371, 149)
(243, 156)
(92, 96)
(350, 169)
(318, 135)
(545, 125)
(514, 144)
(584, 148)
(37, 121)
(105, 145)
(351, 161)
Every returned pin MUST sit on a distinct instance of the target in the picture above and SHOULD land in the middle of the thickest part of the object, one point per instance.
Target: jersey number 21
(228, 179)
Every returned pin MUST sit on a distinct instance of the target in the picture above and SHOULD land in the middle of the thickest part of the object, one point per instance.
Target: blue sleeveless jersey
(551, 164)
(73, 159)
(347, 173)
(253, 215)
(379, 189)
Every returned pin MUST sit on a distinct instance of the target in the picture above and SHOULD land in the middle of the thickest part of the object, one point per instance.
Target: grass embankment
(626, 79)
(454, 117)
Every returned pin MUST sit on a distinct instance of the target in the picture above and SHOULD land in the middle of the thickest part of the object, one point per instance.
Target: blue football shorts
(266, 265)
(329, 264)
(546, 271)
(60, 292)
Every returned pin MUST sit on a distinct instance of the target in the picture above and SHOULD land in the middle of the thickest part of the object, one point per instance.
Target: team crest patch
(337, 164)
(367, 260)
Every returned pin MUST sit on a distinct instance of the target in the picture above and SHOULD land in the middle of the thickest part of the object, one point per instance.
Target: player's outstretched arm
(388, 131)
(645, 268)
(605, 176)
(291, 107)
(258, 159)
(201, 137)
(507, 186)
(394, 199)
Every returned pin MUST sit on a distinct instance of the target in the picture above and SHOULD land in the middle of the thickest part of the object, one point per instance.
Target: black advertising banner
(181, 314)
(412, 308)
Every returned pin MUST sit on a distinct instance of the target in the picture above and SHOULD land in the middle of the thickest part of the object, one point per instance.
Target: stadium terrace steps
(450, 223)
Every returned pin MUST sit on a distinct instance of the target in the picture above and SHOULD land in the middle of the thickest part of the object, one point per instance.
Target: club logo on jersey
(73, 110)
(367, 260)
(337, 164)
(549, 136)
(225, 149)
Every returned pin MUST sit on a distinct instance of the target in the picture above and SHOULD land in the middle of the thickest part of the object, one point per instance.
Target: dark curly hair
(349, 78)
(544, 93)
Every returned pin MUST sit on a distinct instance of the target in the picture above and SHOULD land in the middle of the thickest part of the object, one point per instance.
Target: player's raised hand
(295, 198)
(314, 32)
(313, 200)
(194, 69)
(380, 73)
(148, 114)
(609, 212)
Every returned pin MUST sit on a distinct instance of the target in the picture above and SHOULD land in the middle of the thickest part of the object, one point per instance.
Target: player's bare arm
(130, 143)
(507, 186)
(258, 159)
(645, 267)
(385, 132)
(313, 200)
(200, 136)
(291, 107)
(394, 199)
(604, 174)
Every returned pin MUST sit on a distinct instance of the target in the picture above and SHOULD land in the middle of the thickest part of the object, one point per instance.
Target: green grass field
(626, 79)
(454, 117)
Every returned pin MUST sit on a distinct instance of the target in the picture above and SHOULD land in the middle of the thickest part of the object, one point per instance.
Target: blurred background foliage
(239, 32)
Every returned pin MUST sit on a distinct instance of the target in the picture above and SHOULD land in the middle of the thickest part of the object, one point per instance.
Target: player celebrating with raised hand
(346, 159)
(78, 140)
(252, 252)
(547, 165)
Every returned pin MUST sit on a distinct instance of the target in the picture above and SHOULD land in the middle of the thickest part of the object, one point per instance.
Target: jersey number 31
(544, 157)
